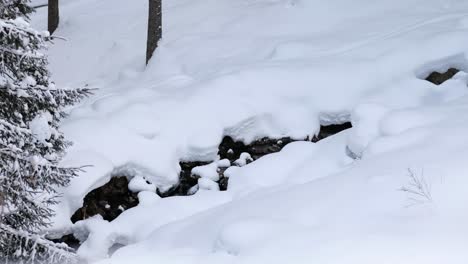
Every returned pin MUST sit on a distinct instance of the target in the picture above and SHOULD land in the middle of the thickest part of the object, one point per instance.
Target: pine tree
(31, 146)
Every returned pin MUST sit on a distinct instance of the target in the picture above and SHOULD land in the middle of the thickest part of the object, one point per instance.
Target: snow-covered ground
(254, 68)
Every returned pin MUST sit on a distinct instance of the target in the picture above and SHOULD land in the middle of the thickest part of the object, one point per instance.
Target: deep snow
(253, 68)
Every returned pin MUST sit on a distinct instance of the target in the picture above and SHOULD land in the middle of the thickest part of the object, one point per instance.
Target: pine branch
(40, 250)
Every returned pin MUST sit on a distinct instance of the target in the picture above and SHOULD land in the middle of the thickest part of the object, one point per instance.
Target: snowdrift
(389, 190)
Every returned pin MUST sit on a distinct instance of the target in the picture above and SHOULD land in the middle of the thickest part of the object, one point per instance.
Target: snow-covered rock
(251, 69)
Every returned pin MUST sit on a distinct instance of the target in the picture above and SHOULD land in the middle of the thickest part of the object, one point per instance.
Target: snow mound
(271, 68)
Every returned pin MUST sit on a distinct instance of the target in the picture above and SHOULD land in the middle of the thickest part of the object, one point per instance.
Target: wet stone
(223, 183)
(438, 78)
(330, 130)
(232, 150)
(109, 201)
(186, 179)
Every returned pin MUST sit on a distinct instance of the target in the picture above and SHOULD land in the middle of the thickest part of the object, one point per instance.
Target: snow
(207, 171)
(365, 119)
(40, 127)
(243, 159)
(137, 223)
(138, 184)
(207, 184)
(255, 68)
(211, 171)
(309, 161)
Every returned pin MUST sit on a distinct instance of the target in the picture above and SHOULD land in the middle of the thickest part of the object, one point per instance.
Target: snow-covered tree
(31, 146)
(10, 9)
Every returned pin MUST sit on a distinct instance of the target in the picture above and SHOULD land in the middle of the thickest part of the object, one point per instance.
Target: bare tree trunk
(154, 27)
(53, 20)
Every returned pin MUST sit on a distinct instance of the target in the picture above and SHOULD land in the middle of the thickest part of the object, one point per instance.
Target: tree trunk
(53, 20)
(154, 27)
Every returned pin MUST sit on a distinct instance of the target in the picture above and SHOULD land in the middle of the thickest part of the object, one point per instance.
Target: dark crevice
(109, 201)
(231, 149)
(114, 197)
(186, 181)
(330, 130)
(438, 78)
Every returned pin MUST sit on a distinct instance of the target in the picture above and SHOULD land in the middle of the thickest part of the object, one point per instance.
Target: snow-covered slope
(253, 68)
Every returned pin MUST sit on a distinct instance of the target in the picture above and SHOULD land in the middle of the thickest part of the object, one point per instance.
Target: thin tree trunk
(53, 20)
(154, 27)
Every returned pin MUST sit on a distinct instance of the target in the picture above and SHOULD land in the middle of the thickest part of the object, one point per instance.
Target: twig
(58, 37)
(40, 6)
(418, 190)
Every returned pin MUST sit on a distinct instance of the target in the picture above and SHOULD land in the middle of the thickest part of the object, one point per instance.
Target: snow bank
(226, 76)
(255, 68)
(357, 214)
(210, 171)
(137, 223)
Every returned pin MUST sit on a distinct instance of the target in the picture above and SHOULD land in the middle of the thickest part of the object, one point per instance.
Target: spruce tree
(31, 146)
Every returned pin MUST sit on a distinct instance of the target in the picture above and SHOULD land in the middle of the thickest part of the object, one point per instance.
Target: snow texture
(255, 68)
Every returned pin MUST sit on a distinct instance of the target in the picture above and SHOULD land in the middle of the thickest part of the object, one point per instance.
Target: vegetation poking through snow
(417, 189)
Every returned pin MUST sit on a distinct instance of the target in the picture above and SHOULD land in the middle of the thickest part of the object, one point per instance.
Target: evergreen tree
(31, 146)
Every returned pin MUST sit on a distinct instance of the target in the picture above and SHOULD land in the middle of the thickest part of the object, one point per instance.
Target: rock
(223, 183)
(232, 150)
(240, 154)
(238, 151)
(186, 180)
(109, 201)
(330, 130)
(265, 146)
(438, 78)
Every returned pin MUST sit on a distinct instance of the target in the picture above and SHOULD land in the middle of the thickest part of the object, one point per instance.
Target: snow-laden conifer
(31, 146)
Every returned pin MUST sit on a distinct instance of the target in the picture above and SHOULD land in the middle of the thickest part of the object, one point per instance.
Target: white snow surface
(243, 159)
(210, 171)
(40, 127)
(254, 68)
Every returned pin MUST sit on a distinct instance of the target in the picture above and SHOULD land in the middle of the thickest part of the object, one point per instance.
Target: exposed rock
(232, 150)
(109, 201)
(235, 151)
(186, 180)
(438, 78)
(113, 198)
(330, 130)
(223, 183)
